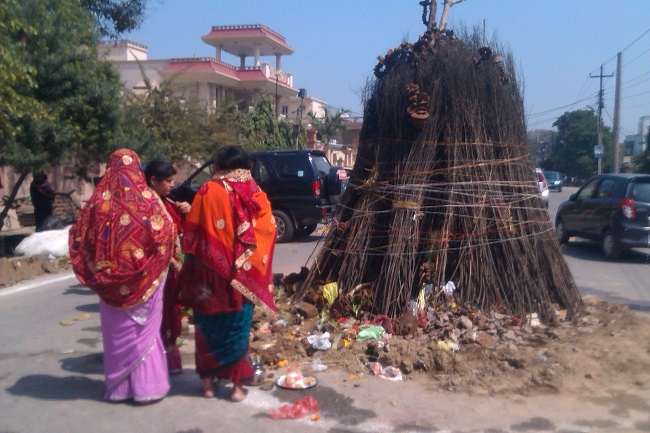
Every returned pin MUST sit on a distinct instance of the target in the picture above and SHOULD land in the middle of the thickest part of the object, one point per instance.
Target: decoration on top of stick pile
(442, 192)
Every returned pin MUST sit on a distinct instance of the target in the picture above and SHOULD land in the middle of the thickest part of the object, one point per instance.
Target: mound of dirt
(16, 269)
(475, 352)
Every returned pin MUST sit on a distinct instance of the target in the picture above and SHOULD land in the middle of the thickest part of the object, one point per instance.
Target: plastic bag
(448, 288)
(388, 373)
(369, 332)
(320, 342)
(317, 365)
(50, 243)
(300, 408)
(330, 292)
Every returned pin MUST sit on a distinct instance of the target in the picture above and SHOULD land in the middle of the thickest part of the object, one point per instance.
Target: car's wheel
(284, 226)
(560, 230)
(306, 230)
(559, 189)
(610, 246)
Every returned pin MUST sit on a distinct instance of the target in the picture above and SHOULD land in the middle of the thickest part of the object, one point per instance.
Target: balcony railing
(249, 27)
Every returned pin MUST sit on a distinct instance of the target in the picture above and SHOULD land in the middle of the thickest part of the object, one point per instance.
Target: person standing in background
(228, 238)
(121, 247)
(160, 178)
(42, 192)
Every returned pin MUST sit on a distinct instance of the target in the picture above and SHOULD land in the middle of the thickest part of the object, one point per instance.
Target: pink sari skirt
(135, 364)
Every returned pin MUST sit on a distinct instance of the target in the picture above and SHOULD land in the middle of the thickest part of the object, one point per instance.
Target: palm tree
(328, 125)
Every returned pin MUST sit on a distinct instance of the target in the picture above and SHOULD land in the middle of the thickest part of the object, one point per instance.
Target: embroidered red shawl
(231, 231)
(122, 241)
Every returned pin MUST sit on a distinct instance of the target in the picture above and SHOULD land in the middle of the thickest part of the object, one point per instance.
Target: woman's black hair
(158, 169)
(232, 157)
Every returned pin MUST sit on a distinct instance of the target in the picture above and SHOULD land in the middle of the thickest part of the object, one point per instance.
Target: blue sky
(557, 44)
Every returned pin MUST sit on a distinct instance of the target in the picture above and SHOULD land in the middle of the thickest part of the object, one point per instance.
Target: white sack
(50, 243)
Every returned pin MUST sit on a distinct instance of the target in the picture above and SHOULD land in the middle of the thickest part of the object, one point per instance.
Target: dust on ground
(453, 349)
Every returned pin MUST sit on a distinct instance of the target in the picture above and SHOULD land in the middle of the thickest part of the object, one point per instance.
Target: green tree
(17, 75)
(540, 144)
(328, 125)
(72, 106)
(159, 125)
(263, 131)
(573, 150)
(114, 17)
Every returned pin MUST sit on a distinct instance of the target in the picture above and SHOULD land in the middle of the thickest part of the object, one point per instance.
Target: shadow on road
(44, 387)
(78, 289)
(92, 363)
(89, 308)
(586, 250)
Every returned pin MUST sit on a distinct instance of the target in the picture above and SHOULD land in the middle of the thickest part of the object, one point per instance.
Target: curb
(36, 282)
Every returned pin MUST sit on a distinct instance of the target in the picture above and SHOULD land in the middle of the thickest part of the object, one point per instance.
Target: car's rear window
(552, 175)
(321, 164)
(640, 191)
(291, 166)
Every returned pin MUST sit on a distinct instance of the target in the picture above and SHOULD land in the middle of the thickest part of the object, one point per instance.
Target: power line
(628, 46)
(637, 57)
(541, 113)
(636, 40)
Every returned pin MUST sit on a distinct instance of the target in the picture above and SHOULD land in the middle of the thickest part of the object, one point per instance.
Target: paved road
(627, 280)
(51, 375)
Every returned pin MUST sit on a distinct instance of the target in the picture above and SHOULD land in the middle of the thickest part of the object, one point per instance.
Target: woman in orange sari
(120, 247)
(229, 237)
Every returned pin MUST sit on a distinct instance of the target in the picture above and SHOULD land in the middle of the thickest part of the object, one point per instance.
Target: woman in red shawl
(120, 247)
(160, 178)
(228, 238)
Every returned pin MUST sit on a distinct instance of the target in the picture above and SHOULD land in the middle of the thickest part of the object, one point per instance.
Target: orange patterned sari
(231, 231)
(229, 237)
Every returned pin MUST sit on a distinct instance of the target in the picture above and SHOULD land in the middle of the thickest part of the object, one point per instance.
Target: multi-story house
(211, 80)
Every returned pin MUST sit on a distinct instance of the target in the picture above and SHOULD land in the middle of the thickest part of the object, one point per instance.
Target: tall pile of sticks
(443, 189)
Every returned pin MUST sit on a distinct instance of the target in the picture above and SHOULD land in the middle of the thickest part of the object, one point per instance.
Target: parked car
(542, 184)
(613, 209)
(555, 180)
(302, 186)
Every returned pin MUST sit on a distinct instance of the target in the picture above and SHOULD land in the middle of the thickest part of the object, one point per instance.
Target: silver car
(542, 183)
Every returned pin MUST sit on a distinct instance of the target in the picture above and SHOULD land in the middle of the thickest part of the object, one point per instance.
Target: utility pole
(616, 163)
(598, 152)
(302, 93)
(277, 79)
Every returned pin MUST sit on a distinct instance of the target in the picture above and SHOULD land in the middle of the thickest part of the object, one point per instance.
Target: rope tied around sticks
(400, 204)
(410, 205)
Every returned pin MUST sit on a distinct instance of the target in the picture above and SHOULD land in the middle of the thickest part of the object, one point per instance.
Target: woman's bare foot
(208, 389)
(238, 393)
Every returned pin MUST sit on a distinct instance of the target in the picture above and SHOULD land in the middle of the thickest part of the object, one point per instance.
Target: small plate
(311, 382)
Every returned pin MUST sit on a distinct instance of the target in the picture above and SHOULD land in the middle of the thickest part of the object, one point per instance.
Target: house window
(285, 110)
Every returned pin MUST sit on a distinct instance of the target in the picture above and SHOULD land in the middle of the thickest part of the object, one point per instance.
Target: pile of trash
(452, 344)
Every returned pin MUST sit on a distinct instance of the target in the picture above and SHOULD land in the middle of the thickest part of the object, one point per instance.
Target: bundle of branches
(443, 189)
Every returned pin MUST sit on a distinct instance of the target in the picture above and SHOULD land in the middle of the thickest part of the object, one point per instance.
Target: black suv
(613, 209)
(301, 185)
